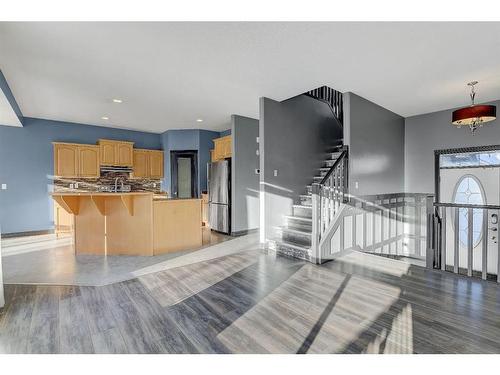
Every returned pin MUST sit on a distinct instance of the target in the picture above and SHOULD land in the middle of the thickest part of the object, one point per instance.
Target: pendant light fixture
(474, 116)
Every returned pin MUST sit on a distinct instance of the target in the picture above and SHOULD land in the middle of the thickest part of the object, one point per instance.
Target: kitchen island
(136, 223)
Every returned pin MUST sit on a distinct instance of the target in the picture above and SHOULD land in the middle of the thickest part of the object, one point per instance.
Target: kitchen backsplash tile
(106, 179)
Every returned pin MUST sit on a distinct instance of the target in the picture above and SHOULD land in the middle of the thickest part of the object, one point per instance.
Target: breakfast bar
(135, 223)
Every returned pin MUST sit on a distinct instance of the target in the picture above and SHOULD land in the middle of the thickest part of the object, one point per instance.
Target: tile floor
(56, 263)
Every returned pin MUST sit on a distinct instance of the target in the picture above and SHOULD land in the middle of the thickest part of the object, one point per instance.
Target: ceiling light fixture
(474, 116)
(104, 118)
(199, 120)
(117, 101)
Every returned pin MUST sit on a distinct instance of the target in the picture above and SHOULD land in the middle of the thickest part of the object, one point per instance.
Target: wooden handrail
(332, 168)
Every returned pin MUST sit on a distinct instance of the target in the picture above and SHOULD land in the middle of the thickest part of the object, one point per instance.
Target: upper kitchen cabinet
(88, 161)
(141, 163)
(65, 160)
(148, 164)
(156, 164)
(116, 153)
(222, 148)
(75, 160)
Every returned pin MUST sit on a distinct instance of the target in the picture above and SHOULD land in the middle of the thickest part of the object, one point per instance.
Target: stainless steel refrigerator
(219, 196)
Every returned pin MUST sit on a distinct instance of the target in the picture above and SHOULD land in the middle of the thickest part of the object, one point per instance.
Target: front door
(462, 182)
(184, 172)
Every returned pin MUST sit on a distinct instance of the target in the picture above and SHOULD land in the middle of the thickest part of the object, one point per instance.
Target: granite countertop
(82, 193)
(165, 198)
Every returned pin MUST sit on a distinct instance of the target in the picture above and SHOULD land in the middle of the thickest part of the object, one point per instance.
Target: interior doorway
(184, 172)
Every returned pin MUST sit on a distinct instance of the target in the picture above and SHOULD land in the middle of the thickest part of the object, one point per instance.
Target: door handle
(494, 229)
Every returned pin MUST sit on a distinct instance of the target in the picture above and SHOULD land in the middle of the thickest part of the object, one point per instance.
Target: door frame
(437, 167)
(174, 155)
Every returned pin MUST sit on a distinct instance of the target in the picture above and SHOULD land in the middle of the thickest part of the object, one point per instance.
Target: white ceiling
(170, 74)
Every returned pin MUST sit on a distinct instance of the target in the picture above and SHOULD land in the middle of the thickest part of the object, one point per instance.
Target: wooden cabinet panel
(75, 160)
(148, 164)
(177, 225)
(226, 147)
(156, 164)
(204, 209)
(63, 221)
(107, 151)
(65, 160)
(124, 154)
(88, 161)
(222, 148)
(116, 153)
(217, 154)
(141, 161)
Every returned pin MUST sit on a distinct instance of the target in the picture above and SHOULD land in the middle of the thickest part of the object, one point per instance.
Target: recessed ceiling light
(104, 118)
(199, 120)
(117, 101)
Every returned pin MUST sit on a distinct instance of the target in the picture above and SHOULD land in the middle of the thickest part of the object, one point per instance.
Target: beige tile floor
(58, 265)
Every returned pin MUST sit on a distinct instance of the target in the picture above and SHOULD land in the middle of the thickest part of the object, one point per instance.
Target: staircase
(294, 238)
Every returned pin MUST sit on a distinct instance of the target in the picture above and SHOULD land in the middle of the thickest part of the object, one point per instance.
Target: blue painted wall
(188, 139)
(206, 144)
(177, 140)
(26, 166)
(225, 132)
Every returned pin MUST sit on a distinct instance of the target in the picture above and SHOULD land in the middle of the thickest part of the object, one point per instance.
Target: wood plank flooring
(256, 303)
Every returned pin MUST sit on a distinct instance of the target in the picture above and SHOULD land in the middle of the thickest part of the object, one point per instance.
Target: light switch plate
(257, 152)
(257, 139)
(275, 173)
(4, 186)
(356, 184)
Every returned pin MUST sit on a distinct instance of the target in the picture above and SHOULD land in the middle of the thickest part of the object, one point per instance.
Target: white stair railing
(327, 198)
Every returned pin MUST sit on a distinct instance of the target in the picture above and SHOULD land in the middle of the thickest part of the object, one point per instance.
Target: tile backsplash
(106, 179)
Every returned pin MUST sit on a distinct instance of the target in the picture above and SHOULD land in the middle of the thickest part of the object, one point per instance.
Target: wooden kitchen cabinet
(65, 160)
(226, 147)
(141, 161)
(222, 148)
(155, 164)
(74, 160)
(63, 221)
(204, 209)
(148, 164)
(88, 161)
(116, 153)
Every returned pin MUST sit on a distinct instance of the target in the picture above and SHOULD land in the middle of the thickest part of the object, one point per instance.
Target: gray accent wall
(244, 180)
(375, 137)
(434, 131)
(295, 136)
(4, 87)
(2, 300)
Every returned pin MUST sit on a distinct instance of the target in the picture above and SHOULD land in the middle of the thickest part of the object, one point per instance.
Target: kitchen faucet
(116, 184)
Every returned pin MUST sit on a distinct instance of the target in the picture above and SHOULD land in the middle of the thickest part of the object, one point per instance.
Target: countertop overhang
(102, 193)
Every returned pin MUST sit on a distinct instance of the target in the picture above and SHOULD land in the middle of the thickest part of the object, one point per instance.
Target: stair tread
(302, 206)
(298, 231)
(291, 244)
(301, 218)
